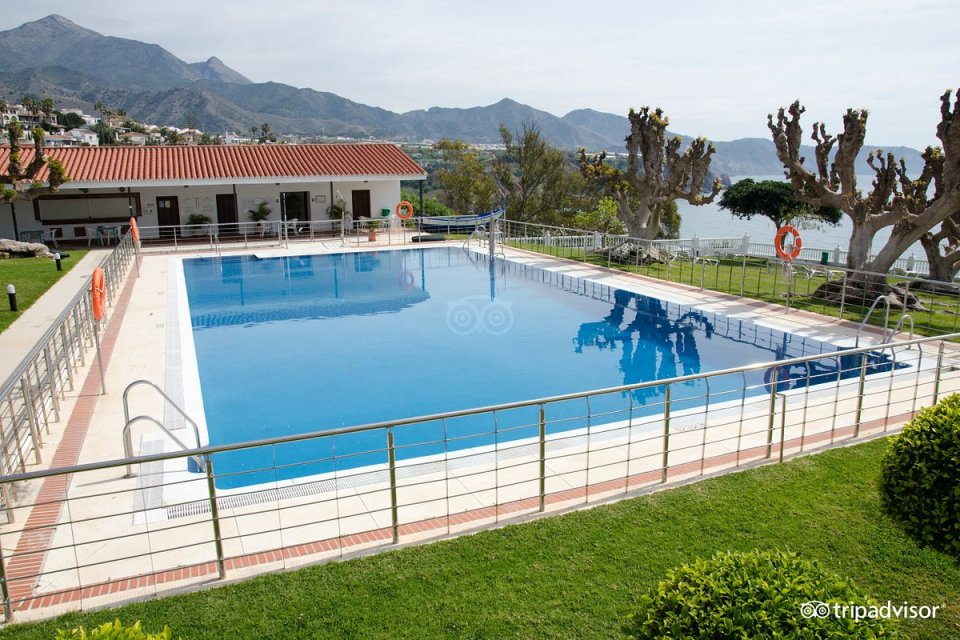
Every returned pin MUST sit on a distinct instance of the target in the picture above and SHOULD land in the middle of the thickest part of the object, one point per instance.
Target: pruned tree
(942, 248)
(530, 174)
(893, 201)
(657, 173)
(23, 183)
(774, 200)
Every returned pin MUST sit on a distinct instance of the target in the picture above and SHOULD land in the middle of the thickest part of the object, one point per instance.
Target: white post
(491, 240)
(836, 255)
(911, 262)
(746, 244)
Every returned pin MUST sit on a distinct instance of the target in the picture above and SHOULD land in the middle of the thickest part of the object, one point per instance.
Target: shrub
(113, 631)
(760, 594)
(920, 477)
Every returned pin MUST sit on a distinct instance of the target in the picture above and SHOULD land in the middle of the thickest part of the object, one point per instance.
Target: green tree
(775, 200)
(657, 173)
(530, 173)
(603, 218)
(69, 120)
(465, 185)
(431, 206)
(47, 107)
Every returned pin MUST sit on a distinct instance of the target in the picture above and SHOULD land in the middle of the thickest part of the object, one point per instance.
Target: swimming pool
(298, 344)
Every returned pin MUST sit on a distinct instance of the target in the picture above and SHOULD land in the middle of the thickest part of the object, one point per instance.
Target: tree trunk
(858, 251)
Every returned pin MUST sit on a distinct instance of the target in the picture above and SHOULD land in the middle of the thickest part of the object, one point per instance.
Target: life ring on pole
(406, 280)
(408, 210)
(134, 231)
(797, 243)
(783, 379)
(98, 294)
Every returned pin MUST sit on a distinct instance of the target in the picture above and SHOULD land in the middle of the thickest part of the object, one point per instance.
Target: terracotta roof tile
(225, 162)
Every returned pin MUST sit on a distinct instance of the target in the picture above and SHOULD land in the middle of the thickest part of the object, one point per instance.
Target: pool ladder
(129, 422)
(886, 321)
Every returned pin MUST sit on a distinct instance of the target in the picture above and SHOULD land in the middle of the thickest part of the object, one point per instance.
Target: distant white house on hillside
(86, 136)
(134, 138)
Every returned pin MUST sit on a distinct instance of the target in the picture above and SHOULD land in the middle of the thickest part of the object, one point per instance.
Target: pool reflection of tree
(651, 344)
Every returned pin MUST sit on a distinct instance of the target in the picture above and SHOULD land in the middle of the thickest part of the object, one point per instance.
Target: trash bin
(385, 212)
(824, 257)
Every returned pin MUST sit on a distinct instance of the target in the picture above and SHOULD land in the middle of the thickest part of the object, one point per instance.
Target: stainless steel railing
(30, 397)
(746, 272)
(425, 476)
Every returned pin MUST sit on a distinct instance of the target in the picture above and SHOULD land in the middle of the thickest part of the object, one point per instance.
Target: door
(168, 215)
(361, 204)
(293, 204)
(227, 212)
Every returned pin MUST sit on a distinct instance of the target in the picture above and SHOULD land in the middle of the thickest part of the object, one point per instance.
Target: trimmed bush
(760, 594)
(113, 631)
(920, 477)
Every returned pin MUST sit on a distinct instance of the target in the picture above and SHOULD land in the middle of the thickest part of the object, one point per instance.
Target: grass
(759, 280)
(576, 575)
(32, 277)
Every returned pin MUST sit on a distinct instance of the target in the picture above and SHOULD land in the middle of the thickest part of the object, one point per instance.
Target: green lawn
(577, 575)
(32, 277)
(761, 281)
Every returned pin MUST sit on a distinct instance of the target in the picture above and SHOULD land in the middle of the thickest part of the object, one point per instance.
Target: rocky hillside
(78, 67)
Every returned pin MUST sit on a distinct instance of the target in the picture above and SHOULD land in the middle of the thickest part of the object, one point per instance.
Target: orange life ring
(406, 280)
(403, 204)
(778, 243)
(134, 231)
(98, 293)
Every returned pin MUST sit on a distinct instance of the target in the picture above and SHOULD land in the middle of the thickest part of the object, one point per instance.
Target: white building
(165, 185)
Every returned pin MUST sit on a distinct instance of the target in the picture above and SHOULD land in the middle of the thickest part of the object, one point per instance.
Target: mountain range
(77, 67)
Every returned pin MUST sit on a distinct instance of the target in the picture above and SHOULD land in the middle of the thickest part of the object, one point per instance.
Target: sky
(716, 68)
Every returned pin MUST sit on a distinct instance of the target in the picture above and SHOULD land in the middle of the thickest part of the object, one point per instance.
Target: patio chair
(51, 234)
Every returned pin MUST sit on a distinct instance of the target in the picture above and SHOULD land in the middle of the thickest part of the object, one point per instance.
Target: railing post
(936, 377)
(5, 588)
(31, 418)
(215, 517)
(51, 382)
(543, 460)
(392, 457)
(665, 462)
(771, 418)
(783, 425)
(67, 348)
(843, 292)
(863, 375)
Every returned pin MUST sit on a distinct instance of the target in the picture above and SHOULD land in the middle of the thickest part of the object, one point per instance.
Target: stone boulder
(14, 249)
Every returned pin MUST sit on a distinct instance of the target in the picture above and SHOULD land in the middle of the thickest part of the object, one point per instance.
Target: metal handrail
(436, 417)
(899, 326)
(886, 318)
(129, 422)
(14, 377)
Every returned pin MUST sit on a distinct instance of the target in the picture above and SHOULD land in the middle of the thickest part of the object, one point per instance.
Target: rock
(14, 249)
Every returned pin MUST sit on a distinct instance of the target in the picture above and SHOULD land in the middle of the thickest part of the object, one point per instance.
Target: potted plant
(195, 222)
(261, 213)
(372, 226)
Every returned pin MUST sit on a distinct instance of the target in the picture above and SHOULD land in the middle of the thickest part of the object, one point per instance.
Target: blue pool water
(310, 343)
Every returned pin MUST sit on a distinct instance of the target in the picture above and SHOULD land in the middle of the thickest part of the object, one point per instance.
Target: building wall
(78, 210)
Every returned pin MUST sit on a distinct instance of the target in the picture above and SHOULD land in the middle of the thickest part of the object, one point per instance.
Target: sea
(710, 221)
